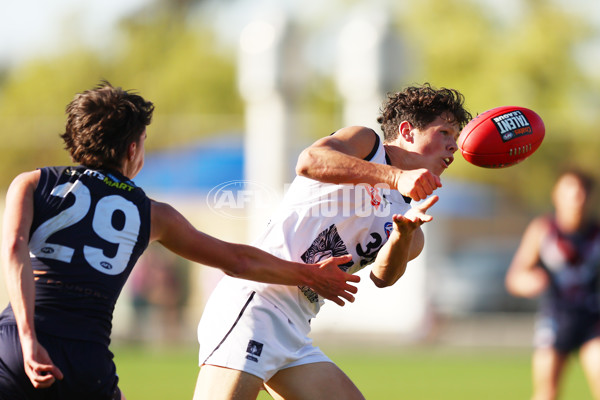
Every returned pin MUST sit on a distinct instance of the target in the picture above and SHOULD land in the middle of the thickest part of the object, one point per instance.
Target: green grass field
(418, 373)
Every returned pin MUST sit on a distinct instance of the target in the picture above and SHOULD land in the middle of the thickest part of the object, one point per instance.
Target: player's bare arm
(177, 234)
(18, 274)
(339, 158)
(405, 244)
(525, 278)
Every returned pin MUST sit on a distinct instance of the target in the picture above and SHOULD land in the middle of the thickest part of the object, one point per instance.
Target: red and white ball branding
(501, 137)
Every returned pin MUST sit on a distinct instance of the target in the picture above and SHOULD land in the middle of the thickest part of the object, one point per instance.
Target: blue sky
(35, 27)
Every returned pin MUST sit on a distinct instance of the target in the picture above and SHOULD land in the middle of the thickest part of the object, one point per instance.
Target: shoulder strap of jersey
(375, 147)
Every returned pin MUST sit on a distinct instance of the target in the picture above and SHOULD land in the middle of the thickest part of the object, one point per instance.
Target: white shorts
(242, 331)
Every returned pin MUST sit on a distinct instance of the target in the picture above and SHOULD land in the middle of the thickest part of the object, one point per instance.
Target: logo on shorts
(254, 350)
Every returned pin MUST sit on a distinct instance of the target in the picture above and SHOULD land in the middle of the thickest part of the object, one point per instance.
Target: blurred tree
(174, 64)
(525, 57)
(179, 67)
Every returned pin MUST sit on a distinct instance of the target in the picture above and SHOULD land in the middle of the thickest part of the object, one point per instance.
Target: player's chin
(439, 168)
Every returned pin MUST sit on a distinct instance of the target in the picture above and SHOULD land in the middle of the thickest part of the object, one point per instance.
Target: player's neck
(398, 157)
(569, 222)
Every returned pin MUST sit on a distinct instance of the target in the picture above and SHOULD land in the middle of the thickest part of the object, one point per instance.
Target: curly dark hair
(421, 105)
(102, 123)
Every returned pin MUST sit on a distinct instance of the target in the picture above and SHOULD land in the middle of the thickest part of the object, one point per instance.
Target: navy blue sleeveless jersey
(570, 309)
(89, 228)
(573, 265)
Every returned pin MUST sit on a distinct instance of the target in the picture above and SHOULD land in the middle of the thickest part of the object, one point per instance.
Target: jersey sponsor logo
(69, 287)
(512, 124)
(375, 196)
(254, 350)
(108, 179)
(378, 200)
(327, 244)
(117, 185)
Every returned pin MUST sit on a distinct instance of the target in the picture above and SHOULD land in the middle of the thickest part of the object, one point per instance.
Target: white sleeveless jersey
(319, 220)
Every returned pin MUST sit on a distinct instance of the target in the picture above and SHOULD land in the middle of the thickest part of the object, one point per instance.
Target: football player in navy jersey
(559, 258)
(71, 236)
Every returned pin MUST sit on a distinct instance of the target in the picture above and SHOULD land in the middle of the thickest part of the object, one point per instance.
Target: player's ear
(405, 131)
(131, 150)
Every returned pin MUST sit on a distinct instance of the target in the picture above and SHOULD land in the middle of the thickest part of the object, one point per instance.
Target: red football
(501, 137)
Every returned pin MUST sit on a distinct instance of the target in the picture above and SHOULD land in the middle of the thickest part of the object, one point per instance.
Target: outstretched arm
(18, 273)
(405, 243)
(525, 277)
(177, 234)
(339, 158)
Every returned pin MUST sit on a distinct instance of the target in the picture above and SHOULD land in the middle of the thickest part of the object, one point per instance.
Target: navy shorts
(88, 369)
(566, 330)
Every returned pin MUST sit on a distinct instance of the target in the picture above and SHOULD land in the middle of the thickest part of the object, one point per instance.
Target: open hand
(415, 216)
(332, 283)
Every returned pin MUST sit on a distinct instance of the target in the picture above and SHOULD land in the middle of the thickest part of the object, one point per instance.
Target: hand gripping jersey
(89, 228)
(573, 264)
(319, 220)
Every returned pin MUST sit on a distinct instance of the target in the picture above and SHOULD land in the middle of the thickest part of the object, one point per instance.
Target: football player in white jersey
(351, 196)
(71, 236)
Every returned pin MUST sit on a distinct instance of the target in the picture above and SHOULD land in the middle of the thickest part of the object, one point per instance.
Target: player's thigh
(589, 355)
(218, 383)
(315, 381)
(548, 365)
